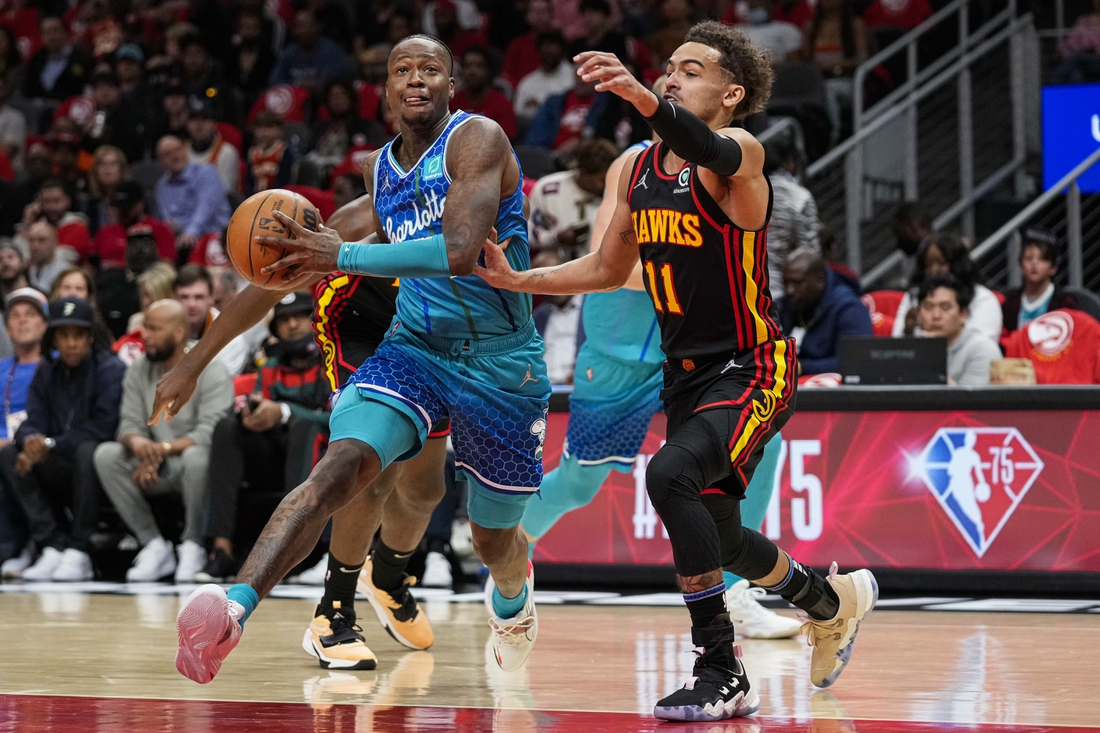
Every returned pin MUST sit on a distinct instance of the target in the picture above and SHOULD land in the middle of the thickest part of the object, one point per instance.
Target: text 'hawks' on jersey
(707, 277)
(410, 205)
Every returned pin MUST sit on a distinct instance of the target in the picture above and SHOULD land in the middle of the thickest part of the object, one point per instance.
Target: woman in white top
(942, 254)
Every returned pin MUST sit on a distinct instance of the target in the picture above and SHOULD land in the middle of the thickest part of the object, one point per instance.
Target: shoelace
(512, 632)
(404, 599)
(749, 601)
(816, 631)
(340, 623)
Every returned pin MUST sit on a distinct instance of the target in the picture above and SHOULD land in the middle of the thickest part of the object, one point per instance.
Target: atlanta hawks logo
(764, 412)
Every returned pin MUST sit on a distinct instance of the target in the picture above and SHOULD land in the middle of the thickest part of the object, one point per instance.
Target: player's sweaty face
(697, 82)
(419, 86)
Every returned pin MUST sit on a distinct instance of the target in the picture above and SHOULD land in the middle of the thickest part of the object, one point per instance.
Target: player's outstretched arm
(606, 212)
(605, 269)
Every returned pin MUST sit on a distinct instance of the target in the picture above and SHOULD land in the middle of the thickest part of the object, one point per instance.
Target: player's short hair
(746, 63)
(595, 156)
(436, 41)
(964, 293)
(192, 273)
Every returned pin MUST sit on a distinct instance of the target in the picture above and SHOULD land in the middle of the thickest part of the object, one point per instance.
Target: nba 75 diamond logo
(979, 476)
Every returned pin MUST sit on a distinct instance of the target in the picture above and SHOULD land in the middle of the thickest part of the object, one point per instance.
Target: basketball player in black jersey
(696, 208)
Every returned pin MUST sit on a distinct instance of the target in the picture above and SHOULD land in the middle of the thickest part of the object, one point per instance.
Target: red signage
(968, 490)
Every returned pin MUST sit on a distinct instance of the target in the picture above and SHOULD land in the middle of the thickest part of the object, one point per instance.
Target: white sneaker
(753, 620)
(316, 574)
(192, 559)
(75, 567)
(437, 571)
(155, 560)
(44, 567)
(513, 638)
(13, 567)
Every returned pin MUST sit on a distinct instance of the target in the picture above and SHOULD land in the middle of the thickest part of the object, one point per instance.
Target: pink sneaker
(208, 630)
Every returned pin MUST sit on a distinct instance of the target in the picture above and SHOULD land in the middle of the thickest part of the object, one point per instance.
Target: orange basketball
(255, 218)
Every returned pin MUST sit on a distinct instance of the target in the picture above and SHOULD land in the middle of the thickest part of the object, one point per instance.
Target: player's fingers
(289, 261)
(505, 243)
(292, 225)
(295, 245)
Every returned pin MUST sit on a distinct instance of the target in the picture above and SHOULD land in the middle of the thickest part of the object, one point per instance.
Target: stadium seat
(1087, 301)
(883, 305)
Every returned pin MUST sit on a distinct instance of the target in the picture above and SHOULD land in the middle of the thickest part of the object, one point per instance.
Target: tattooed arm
(607, 268)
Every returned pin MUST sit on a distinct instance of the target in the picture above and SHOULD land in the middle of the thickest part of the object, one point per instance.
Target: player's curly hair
(746, 63)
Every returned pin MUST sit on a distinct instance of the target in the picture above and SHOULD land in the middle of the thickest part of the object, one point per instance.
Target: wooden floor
(1006, 672)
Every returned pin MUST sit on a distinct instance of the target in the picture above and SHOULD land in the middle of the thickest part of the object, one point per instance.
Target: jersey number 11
(670, 289)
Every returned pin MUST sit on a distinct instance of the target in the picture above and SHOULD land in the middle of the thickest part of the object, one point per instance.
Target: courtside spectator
(523, 55)
(945, 254)
(794, 223)
(190, 198)
(906, 14)
(553, 75)
(116, 122)
(77, 282)
(563, 205)
(477, 94)
(46, 262)
(53, 204)
(130, 218)
(172, 456)
(194, 289)
(72, 407)
(108, 169)
(58, 70)
(819, 308)
(25, 323)
(836, 42)
(271, 163)
(557, 320)
(312, 60)
(273, 441)
(154, 284)
(208, 146)
(944, 301)
(783, 40)
(1039, 294)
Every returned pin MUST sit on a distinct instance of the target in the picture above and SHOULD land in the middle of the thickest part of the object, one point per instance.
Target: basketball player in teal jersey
(616, 392)
(458, 349)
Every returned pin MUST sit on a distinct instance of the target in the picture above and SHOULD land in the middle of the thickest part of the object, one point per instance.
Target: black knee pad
(673, 471)
(745, 552)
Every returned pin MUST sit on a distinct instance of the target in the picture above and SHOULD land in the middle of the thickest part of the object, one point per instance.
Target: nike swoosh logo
(349, 570)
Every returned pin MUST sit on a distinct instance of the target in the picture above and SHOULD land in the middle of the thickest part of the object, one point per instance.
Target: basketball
(255, 218)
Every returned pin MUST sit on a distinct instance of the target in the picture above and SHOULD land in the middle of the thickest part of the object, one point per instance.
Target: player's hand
(497, 271)
(612, 76)
(174, 390)
(309, 251)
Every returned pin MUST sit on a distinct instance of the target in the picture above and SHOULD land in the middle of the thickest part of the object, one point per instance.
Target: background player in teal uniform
(458, 348)
(616, 392)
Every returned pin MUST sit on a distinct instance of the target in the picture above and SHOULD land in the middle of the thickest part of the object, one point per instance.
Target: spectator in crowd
(477, 94)
(1039, 294)
(46, 262)
(347, 188)
(167, 457)
(599, 32)
(794, 212)
(72, 407)
(13, 127)
(271, 162)
(782, 38)
(273, 441)
(445, 20)
(947, 254)
(312, 60)
(202, 76)
(154, 284)
(25, 323)
(677, 17)
(911, 226)
(226, 287)
(53, 205)
(190, 198)
(553, 75)
(108, 169)
(1080, 51)
(836, 42)
(563, 119)
(344, 129)
(905, 14)
(557, 320)
(77, 282)
(252, 58)
(174, 112)
(820, 307)
(523, 55)
(944, 301)
(130, 66)
(67, 155)
(115, 122)
(13, 269)
(11, 61)
(129, 217)
(194, 289)
(334, 21)
(563, 205)
(15, 196)
(208, 145)
(58, 70)
(467, 17)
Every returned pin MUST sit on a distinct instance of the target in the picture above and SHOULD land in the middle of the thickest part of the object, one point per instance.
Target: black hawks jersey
(351, 315)
(708, 278)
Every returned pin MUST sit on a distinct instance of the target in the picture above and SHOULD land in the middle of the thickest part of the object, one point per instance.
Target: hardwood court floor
(111, 656)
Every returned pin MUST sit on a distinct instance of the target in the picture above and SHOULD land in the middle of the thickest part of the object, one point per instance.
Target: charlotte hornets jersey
(622, 324)
(410, 206)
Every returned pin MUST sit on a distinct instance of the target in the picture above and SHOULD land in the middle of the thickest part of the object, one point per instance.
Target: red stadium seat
(353, 162)
(1063, 345)
(232, 135)
(883, 305)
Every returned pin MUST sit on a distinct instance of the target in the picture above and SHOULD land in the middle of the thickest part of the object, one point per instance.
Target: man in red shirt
(53, 204)
(128, 203)
(522, 56)
(477, 94)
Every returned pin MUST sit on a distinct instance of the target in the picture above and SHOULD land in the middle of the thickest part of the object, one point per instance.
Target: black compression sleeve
(691, 139)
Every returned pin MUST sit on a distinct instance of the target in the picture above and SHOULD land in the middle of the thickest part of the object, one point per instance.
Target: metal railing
(846, 192)
(1072, 220)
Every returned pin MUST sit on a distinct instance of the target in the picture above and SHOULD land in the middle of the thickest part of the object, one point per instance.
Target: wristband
(414, 258)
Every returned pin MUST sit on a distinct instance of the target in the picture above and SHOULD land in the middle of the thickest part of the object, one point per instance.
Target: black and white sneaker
(719, 687)
(220, 568)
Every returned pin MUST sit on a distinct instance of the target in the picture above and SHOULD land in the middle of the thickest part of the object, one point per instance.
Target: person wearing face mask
(907, 14)
(273, 440)
(782, 39)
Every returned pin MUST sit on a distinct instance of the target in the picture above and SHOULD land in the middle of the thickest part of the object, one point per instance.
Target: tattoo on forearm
(287, 539)
(696, 583)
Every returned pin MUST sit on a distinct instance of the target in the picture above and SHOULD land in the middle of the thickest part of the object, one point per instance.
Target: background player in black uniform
(351, 316)
(696, 208)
